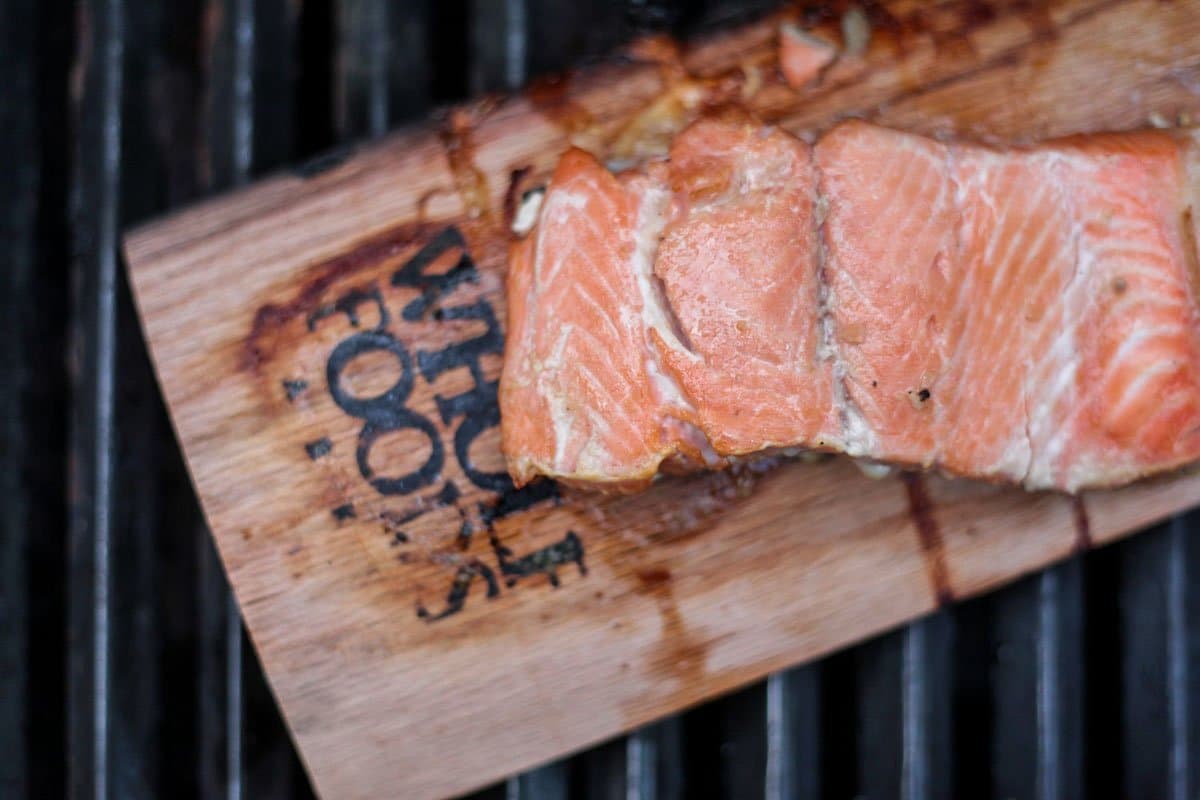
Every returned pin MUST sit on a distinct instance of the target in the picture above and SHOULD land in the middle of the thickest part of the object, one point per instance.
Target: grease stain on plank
(933, 549)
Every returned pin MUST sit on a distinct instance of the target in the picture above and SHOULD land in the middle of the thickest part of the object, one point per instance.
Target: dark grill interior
(124, 671)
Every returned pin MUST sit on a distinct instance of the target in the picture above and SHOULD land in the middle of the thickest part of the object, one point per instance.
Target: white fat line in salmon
(857, 438)
(651, 219)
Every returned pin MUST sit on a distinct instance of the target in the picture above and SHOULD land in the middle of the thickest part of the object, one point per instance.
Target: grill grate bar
(545, 783)
(793, 768)
(254, 127)
(244, 27)
(379, 103)
(1036, 697)
(498, 45)
(233, 680)
(878, 724)
(383, 72)
(1049, 779)
(242, 123)
(777, 783)
(653, 763)
(1178, 645)
(771, 740)
(363, 101)
(232, 153)
(1062, 637)
(914, 771)
(217, 686)
(641, 754)
(96, 203)
(514, 43)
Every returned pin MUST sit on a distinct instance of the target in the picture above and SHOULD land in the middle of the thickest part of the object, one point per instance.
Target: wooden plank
(328, 339)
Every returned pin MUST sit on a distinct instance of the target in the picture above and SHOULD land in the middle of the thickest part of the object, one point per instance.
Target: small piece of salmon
(802, 55)
(1026, 315)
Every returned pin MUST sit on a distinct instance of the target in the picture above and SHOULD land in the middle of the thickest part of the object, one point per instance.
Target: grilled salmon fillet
(1025, 315)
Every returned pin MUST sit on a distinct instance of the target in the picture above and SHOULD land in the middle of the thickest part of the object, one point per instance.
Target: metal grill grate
(120, 645)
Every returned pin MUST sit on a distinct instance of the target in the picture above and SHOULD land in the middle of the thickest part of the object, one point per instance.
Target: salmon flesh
(1025, 315)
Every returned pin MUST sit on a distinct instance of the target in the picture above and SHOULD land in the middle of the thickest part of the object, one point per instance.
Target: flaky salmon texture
(1024, 315)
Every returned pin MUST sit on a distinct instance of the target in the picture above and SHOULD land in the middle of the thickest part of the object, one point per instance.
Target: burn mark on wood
(393, 519)
(384, 413)
(1083, 524)
(465, 532)
(546, 561)
(1044, 31)
(682, 651)
(1040, 22)
(467, 353)
(348, 304)
(318, 448)
(324, 162)
(460, 587)
(975, 14)
(950, 32)
(516, 500)
(382, 408)
(409, 482)
(270, 317)
(415, 273)
(469, 179)
(548, 91)
(343, 512)
(901, 31)
(515, 179)
(920, 509)
(294, 388)
(447, 495)
(478, 406)
(550, 96)
(652, 577)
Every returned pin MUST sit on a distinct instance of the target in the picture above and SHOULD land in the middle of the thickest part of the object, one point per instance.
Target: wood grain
(328, 342)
